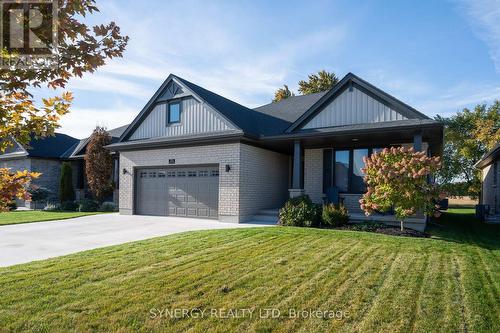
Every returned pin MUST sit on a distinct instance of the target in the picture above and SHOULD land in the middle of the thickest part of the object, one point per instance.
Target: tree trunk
(401, 222)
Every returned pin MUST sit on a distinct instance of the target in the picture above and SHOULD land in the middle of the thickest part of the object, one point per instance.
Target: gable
(196, 118)
(196, 115)
(353, 106)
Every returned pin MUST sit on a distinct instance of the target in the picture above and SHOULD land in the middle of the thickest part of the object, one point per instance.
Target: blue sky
(437, 56)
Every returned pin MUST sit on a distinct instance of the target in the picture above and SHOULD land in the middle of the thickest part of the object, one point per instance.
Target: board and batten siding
(353, 107)
(196, 117)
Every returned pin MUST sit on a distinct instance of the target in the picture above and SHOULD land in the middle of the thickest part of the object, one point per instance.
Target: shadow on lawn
(461, 226)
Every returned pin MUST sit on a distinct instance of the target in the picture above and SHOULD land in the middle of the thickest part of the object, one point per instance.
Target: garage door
(186, 191)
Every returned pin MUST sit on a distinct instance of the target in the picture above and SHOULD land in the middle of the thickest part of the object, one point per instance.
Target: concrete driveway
(41, 240)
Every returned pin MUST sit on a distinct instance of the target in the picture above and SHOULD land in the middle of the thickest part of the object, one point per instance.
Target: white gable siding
(353, 107)
(196, 117)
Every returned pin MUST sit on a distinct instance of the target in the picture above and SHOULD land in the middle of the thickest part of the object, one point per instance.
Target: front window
(358, 183)
(174, 112)
(342, 170)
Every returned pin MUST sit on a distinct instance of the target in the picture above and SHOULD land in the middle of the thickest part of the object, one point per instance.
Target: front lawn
(28, 216)
(373, 282)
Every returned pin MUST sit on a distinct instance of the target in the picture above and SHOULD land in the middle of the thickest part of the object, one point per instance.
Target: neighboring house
(43, 155)
(78, 155)
(191, 152)
(46, 155)
(490, 177)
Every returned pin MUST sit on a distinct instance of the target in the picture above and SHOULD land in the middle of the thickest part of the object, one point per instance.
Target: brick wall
(213, 154)
(51, 173)
(263, 180)
(313, 174)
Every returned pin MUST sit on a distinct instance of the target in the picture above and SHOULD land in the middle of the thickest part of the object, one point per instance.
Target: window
(170, 174)
(214, 173)
(152, 175)
(174, 113)
(342, 170)
(203, 173)
(161, 174)
(357, 181)
(181, 173)
(191, 173)
(144, 174)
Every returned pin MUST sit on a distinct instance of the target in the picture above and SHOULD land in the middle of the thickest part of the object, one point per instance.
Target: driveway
(34, 241)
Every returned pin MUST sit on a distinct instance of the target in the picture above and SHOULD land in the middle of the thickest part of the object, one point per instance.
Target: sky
(437, 56)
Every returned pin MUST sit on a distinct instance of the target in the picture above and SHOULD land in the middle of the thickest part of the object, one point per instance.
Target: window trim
(172, 102)
(351, 166)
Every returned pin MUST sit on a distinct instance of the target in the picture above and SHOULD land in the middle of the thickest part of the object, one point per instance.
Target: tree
(14, 185)
(99, 164)
(468, 136)
(66, 190)
(282, 93)
(322, 81)
(397, 179)
(80, 49)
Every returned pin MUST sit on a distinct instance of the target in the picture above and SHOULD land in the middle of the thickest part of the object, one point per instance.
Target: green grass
(29, 216)
(448, 283)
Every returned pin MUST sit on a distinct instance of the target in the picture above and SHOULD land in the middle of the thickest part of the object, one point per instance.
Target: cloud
(458, 98)
(484, 17)
(80, 122)
(100, 82)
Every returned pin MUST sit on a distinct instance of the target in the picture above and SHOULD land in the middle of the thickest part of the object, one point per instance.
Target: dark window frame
(331, 181)
(169, 104)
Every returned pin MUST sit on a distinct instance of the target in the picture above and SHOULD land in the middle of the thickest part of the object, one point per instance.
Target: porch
(334, 159)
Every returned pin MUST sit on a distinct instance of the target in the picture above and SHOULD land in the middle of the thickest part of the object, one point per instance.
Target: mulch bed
(384, 229)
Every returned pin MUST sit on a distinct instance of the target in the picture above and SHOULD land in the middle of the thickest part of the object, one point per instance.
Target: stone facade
(257, 178)
(50, 173)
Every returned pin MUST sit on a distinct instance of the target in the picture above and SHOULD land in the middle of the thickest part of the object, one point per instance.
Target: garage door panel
(183, 191)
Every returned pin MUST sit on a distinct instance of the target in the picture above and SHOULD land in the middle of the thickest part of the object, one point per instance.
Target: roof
(249, 121)
(289, 109)
(278, 118)
(352, 80)
(489, 157)
(78, 150)
(56, 146)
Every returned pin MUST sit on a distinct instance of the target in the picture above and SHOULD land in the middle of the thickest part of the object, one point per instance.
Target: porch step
(268, 216)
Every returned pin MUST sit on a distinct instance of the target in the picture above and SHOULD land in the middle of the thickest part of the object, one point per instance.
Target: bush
(108, 206)
(69, 206)
(39, 193)
(334, 216)
(12, 205)
(66, 191)
(299, 212)
(52, 207)
(88, 205)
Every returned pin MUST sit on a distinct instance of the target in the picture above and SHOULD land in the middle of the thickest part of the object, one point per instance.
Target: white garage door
(187, 191)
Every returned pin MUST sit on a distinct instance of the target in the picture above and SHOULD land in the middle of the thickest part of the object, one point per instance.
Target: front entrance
(183, 191)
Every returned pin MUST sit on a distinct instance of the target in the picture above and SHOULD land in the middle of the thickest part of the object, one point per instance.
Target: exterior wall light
(228, 168)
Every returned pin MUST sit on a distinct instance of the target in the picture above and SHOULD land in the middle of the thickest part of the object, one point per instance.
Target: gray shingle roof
(251, 122)
(51, 146)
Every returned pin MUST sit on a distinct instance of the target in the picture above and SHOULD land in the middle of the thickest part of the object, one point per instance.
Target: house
(77, 156)
(44, 155)
(191, 152)
(490, 175)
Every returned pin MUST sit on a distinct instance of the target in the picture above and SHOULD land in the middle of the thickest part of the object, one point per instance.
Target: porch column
(296, 189)
(417, 142)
